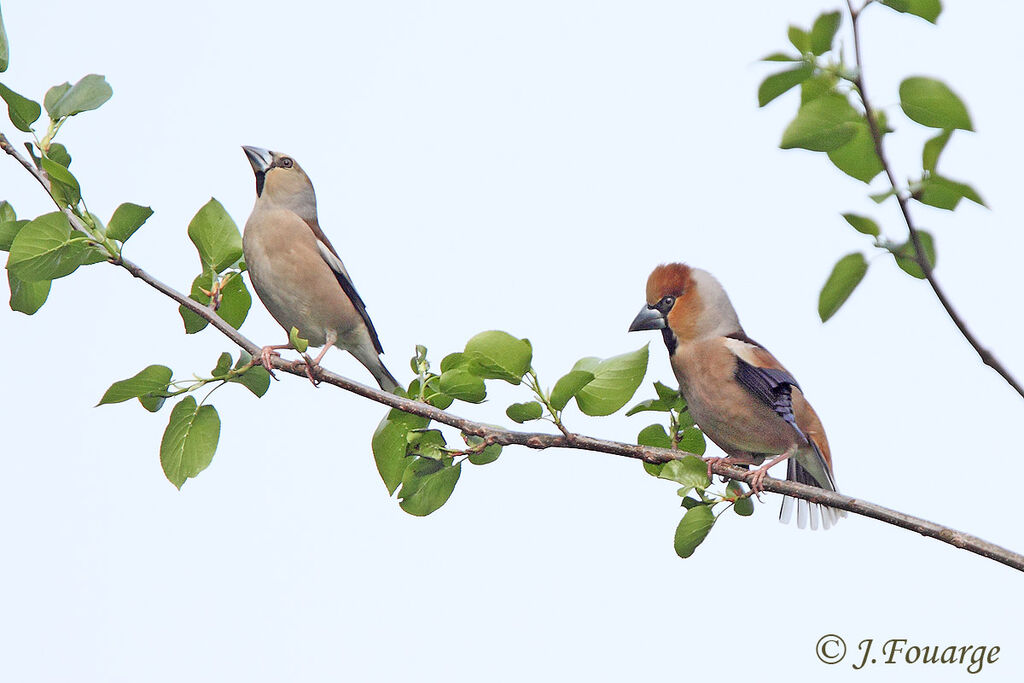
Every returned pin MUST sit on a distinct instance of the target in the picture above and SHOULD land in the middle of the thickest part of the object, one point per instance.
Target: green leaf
(223, 365)
(7, 212)
(499, 355)
(823, 31)
(4, 49)
(194, 323)
(816, 86)
(880, 197)
(63, 185)
(654, 436)
(742, 506)
(800, 39)
(692, 441)
(857, 158)
(524, 412)
(931, 103)
(905, 254)
(190, 440)
(435, 396)
(152, 402)
(235, 300)
(256, 379)
(779, 83)
(8, 231)
(53, 95)
(408, 419)
(781, 57)
(693, 529)
(423, 493)
(59, 153)
(862, 224)
(297, 342)
(822, 125)
(926, 9)
(568, 386)
(665, 392)
(22, 111)
(88, 93)
(648, 405)
(154, 378)
(487, 455)
(845, 277)
(453, 360)
(419, 359)
(461, 384)
(933, 149)
(615, 381)
(27, 297)
(126, 220)
(389, 448)
(689, 472)
(216, 237)
(943, 193)
(428, 443)
(44, 249)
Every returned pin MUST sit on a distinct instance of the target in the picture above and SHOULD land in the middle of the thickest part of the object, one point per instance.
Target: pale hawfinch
(740, 396)
(297, 273)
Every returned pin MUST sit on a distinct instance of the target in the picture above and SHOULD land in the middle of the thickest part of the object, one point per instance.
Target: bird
(297, 273)
(740, 396)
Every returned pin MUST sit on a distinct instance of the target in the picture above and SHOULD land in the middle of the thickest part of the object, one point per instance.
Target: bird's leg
(757, 481)
(731, 460)
(311, 366)
(267, 353)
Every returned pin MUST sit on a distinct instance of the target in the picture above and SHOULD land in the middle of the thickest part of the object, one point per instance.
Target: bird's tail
(807, 512)
(384, 378)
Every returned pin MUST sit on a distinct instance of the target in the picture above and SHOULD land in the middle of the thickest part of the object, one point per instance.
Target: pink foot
(266, 354)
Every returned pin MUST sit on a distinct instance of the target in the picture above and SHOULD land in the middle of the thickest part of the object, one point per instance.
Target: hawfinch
(297, 273)
(737, 392)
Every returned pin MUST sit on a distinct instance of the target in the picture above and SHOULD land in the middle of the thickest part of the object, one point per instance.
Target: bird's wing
(758, 372)
(331, 258)
(763, 376)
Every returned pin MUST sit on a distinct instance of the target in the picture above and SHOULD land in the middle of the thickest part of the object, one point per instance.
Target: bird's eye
(667, 302)
(287, 163)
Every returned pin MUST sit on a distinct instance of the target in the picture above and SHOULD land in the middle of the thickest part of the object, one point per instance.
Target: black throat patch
(261, 177)
(670, 340)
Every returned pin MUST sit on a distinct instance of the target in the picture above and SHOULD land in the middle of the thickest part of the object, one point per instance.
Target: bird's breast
(724, 410)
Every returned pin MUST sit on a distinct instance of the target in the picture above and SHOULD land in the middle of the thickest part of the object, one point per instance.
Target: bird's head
(686, 304)
(281, 181)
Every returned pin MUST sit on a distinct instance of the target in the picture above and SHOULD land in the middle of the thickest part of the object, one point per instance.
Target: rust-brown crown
(668, 279)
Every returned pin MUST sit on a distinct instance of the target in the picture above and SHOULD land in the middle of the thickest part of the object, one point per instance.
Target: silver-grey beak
(260, 158)
(648, 319)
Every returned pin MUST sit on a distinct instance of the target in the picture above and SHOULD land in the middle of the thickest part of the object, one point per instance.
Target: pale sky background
(519, 166)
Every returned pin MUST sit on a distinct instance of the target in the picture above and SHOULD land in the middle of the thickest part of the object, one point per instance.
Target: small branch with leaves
(854, 140)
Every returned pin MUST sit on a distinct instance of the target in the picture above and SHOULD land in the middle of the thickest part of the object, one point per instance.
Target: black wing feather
(771, 386)
(357, 301)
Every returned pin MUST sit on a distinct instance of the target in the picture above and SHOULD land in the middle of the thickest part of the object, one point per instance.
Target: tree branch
(904, 201)
(540, 440)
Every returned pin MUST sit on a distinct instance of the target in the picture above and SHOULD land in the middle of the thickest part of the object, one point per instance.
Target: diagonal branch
(541, 441)
(904, 201)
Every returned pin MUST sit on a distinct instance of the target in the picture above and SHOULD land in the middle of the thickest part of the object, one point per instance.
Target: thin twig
(540, 440)
(904, 201)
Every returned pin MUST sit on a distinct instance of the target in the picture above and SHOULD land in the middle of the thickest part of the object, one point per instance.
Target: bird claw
(756, 482)
(711, 461)
(310, 367)
(267, 353)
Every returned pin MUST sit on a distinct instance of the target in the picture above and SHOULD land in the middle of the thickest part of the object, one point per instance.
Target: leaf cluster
(416, 459)
(833, 119)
